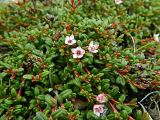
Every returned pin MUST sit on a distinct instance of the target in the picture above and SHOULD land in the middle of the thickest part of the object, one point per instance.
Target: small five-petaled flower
(98, 110)
(101, 98)
(118, 2)
(70, 40)
(93, 47)
(78, 52)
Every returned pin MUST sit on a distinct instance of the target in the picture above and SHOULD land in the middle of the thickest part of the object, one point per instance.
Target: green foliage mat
(40, 79)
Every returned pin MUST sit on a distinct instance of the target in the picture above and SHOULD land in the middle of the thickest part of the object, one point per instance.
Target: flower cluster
(78, 52)
(100, 108)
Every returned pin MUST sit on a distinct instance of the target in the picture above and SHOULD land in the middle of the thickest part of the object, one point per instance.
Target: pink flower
(98, 110)
(118, 2)
(78, 52)
(70, 40)
(101, 98)
(93, 47)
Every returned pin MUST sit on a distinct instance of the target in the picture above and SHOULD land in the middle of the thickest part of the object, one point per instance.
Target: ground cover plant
(78, 59)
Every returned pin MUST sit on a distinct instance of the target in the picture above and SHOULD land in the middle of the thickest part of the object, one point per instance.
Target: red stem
(113, 108)
(88, 72)
(20, 92)
(79, 2)
(72, 2)
(130, 118)
(67, 28)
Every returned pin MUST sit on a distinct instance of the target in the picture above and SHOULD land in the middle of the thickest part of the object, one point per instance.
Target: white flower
(16, 1)
(157, 37)
(93, 47)
(98, 110)
(78, 52)
(118, 2)
(70, 40)
(101, 98)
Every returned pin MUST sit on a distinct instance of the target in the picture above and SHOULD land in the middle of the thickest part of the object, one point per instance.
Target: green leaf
(128, 109)
(100, 74)
(41, 116)
(36, 91)
(66, 93)
(90, 60)
(79, 43)
(124, 62)
(120, 80)
(3, 74)
(76, 81)
(28, 76)
(53, 78)
(5, 64)
(48, 41)
(41, 97)
(3, 117)
(114, 91)
(17, 111)
(138, 115)
(29, 46)
(59, 113)
(94, 71)
(105, 70)
(50, 100)
(19, 70)
(45, 73)
(87, 87)
(122, 98)
(89, 55)
(105, 81)
(98, 62)
(37, 52)
(59, 99)
(106, 87)
(124, 114)
(68, 104)
(79, 67)
(9, 102)
(133, 88)
(13, 92)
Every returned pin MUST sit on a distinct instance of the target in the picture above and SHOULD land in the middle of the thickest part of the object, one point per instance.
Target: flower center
(92, 48)
(101, 98)
(99, 109)
(78, 52)
(69, 41)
